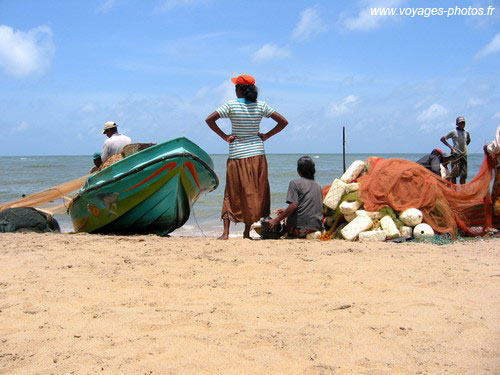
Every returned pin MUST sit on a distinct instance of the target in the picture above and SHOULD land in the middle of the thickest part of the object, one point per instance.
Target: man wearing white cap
(115, 142)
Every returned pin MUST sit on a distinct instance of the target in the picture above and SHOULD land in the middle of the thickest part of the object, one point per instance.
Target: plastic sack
(27, 219)
(268, 233)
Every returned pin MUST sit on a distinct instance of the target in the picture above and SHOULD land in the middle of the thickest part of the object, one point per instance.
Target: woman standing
(247, 196)
(493, 149)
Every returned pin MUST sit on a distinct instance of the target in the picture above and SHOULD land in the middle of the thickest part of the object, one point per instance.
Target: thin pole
(343, 145)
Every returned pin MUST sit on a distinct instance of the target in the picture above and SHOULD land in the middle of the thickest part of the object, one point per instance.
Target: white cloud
(89, 107)
(192, 45)
(364, 20)
(337, 109)
(106, 6)
(217, 95)
(167, 5)
(419, 104)
(271, 51)
(22, 127)
(310, 24)
(491, 48)
(475, 102)
(430, 115)
(23, 53)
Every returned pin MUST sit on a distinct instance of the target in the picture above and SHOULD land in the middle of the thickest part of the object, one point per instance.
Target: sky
(158, 68)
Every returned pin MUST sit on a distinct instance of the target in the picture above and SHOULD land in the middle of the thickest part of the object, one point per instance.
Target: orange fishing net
(403, 184)
(48, 196)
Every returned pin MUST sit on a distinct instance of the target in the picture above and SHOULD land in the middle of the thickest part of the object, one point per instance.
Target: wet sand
(87, 304)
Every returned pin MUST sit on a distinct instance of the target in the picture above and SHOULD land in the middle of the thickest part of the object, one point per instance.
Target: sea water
(30, 174)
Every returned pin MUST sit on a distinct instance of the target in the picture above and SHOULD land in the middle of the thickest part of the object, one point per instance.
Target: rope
(457, 156)
(198, 225)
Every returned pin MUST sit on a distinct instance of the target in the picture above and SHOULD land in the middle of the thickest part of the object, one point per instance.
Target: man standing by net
(461, 139)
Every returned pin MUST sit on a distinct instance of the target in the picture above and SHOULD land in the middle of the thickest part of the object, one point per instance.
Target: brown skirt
(496, 192)
(247, 197)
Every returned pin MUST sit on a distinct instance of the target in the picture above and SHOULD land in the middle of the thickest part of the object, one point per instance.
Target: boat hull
(151, 191)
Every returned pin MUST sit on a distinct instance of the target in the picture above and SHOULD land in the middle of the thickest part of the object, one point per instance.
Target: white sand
(87, 304)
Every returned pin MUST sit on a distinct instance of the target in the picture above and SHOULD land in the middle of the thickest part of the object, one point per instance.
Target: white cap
(109, 125)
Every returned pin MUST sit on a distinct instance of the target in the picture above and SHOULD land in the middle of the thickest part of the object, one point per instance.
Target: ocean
(29, 174)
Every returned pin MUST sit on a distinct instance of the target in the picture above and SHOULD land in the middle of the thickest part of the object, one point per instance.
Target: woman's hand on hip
(263, 136)
(229, 138)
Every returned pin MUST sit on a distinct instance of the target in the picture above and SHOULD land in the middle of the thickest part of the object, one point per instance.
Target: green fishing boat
(151, 191)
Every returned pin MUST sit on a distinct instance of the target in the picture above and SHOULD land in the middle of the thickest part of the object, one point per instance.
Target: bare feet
(246, 232)
(225, 232)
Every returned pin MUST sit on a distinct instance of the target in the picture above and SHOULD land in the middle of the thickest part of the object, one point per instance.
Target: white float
(314, 236)
(372, 215)
(349, 217)
(360, 224)
(372, 235)
(257, 227)
(353, 171)
(353, 186)
(389, 227)
(335, 193)
(406, 232)
(423, 230)
(350, 208)
(411, 217)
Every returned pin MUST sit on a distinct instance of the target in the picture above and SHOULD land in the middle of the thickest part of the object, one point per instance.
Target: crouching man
(305, 202)
(437, 162)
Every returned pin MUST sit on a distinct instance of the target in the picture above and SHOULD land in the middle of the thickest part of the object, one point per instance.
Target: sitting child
(305, 202)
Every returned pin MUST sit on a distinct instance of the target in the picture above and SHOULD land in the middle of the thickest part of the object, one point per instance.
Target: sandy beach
(88, 304)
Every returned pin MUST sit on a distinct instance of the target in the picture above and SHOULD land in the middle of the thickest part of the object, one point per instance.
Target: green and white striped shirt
(245, 119)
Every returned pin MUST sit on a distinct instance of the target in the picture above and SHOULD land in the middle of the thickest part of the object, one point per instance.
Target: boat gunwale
(143, 166)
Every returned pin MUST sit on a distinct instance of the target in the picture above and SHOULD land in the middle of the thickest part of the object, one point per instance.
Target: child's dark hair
(250, 92)
(306, 167)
